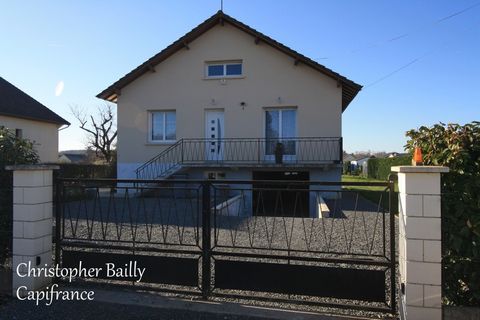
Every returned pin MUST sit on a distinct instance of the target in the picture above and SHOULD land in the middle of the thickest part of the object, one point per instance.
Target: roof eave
(60, 122)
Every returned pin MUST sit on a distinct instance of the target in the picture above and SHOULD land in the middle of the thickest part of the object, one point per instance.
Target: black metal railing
(242, 151)
(317, 236)
(6, 232)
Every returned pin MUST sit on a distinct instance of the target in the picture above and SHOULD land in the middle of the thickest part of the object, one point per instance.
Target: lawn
(372, 193)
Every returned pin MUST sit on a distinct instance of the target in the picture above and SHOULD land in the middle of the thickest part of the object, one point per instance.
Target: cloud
(59, 88)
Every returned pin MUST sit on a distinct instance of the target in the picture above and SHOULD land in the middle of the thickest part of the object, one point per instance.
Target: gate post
(420, 238)
(206, 240)
(32, 224)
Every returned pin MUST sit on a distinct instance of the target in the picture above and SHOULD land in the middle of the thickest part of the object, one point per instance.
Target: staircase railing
(163, 163)
(242, 151)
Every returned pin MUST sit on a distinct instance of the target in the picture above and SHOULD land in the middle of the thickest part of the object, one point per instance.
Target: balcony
(242, 152)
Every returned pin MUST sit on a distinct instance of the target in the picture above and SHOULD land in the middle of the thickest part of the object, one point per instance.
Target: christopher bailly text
(129, 271)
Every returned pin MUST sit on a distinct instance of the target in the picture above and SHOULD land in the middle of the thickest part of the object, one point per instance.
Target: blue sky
(90, 44)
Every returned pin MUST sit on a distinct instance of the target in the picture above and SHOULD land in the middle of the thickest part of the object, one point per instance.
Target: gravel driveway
(356, 226)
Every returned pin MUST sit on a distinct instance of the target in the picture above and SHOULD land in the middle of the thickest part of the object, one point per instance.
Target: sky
(417, 60)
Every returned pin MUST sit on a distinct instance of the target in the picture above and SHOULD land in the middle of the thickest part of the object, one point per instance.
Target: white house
(224, 101)
(30, 119)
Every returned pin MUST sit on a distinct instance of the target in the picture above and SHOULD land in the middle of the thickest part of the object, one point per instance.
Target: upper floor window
(224, 69)
(163, 126)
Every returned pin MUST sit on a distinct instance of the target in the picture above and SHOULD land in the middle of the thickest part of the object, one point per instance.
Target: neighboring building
(348, 157)
(73, 156)
(31, 120)
(396, 155)
(361, 162)
(216, 103)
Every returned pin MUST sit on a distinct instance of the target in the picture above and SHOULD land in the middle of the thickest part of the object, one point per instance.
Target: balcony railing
(242, 152)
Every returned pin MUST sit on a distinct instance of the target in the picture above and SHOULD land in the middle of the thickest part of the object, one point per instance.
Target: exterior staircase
(246, 152)
(164, 165)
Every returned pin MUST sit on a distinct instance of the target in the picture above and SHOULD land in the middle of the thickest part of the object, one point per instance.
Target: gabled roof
(349, 88)
(348, 157)
(16, 103)
(75, 158)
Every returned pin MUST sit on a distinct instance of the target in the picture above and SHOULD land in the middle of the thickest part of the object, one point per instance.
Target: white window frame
(150, 126)
(280, 129)
(224, 64)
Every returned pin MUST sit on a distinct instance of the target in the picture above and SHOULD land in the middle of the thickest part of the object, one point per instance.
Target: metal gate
(320, 243)
(6, 234)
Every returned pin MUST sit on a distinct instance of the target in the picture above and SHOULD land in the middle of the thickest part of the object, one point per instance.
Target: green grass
(372, 193)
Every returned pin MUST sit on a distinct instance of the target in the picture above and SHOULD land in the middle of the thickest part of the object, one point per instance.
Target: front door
(214, 133)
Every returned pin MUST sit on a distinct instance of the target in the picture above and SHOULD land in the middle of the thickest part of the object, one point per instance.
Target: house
(361, 161)
(31, 120)
(361, 164)
(73, 156)
(396, 155)
(228, 102)
(348, 157)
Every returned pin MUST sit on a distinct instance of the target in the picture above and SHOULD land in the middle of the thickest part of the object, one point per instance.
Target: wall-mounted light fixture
(243, 104)
(279, 100)
(213, 102)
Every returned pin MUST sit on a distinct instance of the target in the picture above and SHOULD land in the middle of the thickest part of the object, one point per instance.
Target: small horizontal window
(227, 69)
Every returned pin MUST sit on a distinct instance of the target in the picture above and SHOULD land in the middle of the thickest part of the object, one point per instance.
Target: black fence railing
(6, 241)
(307, 242)
(242, 151)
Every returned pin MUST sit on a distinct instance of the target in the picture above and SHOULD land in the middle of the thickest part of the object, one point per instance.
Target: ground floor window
(163, 126)
(19, 133)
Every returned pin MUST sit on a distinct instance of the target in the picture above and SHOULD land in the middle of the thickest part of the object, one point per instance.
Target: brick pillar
(32, 222)
(420, 239)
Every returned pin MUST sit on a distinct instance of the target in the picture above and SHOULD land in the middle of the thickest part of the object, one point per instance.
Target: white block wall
(420, 239)
(32, 222)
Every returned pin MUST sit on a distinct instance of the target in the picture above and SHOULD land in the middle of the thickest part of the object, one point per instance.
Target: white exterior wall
(332, 173)
(44, 134)
(420, 241)
(32, 225)
(179, 84)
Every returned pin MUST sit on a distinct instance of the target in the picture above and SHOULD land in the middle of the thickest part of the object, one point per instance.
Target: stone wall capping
(420, 169)
(22, 167)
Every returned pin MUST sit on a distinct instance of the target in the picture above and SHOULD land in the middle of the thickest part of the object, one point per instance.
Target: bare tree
(101, 130)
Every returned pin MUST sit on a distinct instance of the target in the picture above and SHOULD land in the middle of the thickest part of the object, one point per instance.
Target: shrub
(458, 148)
(380, 168)
(87, 171)
(347, 167)
(13, 150)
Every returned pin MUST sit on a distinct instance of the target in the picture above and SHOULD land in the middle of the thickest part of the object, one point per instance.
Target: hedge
(380, 168)
(458, 148)
(87, 171)
(13, 150)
